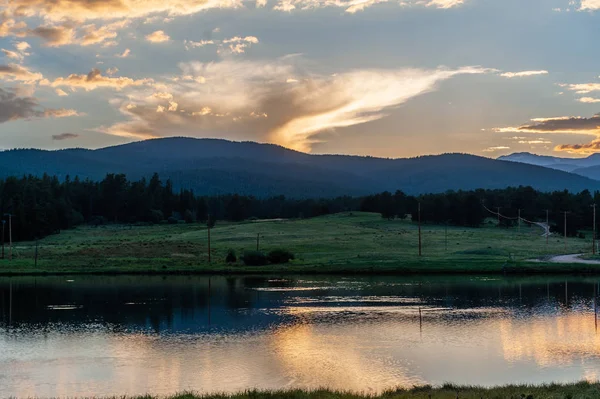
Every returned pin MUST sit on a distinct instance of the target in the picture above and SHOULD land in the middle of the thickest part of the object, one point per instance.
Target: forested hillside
(47, 205)
(218, 167)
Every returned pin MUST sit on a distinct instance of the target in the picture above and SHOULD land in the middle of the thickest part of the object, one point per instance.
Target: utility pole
(420, 252)
(208, 225)
(446, 236)
(10, 236)
(3, 224)
(594, 232)
(547, 227)
(36, 251)
(565, 212)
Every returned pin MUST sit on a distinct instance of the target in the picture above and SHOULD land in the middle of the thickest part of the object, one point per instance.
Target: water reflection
(83, 336)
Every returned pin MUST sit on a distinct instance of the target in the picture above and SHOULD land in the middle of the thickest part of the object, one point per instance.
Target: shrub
(255, 258)
(278, 256)
(98, 221)
(189, 217)
(172, 220)
(231, 258)
(155, 216)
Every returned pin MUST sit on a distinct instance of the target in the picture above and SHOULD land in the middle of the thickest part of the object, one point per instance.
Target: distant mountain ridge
(213, 166)
(580, 166)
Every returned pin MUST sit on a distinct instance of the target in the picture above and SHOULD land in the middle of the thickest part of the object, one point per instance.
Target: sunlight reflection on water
(123, 335)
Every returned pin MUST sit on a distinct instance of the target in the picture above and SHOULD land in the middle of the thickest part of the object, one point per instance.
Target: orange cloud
(14, 72)
(95, 80)
(564, 125)
(253, 100)
(158, 37)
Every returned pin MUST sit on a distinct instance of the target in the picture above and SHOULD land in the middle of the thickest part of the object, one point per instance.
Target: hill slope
(210, 166)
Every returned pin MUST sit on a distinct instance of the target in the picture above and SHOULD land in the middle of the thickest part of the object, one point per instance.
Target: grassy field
(341, 243)
(583, 390)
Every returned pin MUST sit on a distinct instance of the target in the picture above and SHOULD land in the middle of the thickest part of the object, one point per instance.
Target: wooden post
(548, 228)
(420, 319)
(10, 236)
(208, 225)
(420, 244)
(565, 231)
(498, 215)
(36, 251)
(519, 222)
(257, 241)
(446, 237)
(594, 233)
(3, 223)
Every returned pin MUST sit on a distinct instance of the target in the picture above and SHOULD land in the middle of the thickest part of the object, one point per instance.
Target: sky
(389, 78)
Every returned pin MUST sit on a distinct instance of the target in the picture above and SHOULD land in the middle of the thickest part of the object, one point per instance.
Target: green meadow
(342, 243)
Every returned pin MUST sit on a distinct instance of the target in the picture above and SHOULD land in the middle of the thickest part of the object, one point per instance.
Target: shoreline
(520, 269)
(582, 390)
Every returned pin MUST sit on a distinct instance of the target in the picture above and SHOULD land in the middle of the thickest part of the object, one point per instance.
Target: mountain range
(212, 166)
(588, 167)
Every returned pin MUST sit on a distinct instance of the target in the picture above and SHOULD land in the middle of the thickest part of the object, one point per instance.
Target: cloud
(13, 107)
(253, 100)
(14, 72)
(589, 5)
(535, 141)
(564, 125)
(54, 36)
(561, 124)
(445, 3)
(124, 54)
(95, 80)
(61, 93)
(494, 149)
(22, 46)
(60, 113)
(64, 136)
(522, 74)
(191, 44)
(83, 22)
(582, 88)
(158, 37)
(12, 54)
(353, 6)
(589, 100)
(238, 45)
(104, 34)
(20, 51)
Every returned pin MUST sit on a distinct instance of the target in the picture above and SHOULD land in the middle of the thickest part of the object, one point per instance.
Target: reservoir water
(97, 335)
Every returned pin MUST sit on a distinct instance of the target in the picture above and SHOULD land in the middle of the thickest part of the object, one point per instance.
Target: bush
(172, 220)
(255, 258)
(231, 258)
(189, 217)
(98, 221)
(155, 216)
(278, 256)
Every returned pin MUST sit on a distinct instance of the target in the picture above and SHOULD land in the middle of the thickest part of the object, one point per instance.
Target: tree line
(45, 205)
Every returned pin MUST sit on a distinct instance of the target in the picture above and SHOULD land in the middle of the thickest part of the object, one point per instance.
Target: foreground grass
(583, 390)
(342, 243)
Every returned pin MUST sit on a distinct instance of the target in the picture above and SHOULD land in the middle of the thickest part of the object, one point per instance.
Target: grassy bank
(342, 243)
(583, 390)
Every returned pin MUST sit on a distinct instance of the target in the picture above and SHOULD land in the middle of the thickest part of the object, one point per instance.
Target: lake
(98, 335)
